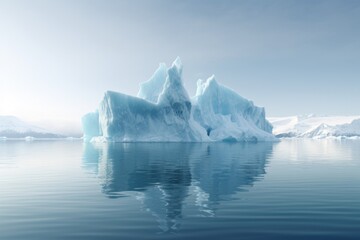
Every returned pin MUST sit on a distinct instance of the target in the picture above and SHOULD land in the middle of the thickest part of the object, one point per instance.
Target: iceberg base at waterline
(164, 112)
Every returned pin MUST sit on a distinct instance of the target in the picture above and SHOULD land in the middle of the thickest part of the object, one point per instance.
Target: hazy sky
(292, 57)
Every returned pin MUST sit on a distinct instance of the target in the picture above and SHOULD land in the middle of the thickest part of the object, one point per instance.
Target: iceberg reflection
(168, 175)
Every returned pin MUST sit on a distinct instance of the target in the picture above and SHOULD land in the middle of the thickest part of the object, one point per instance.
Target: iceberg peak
(152, 88)
(173, 90)
(177, 64)
(203, 85)
(212, 79)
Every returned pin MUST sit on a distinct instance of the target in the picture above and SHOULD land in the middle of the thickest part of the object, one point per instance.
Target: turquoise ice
(164, 112)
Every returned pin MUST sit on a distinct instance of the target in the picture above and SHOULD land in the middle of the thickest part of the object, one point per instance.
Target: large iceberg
(164, 112)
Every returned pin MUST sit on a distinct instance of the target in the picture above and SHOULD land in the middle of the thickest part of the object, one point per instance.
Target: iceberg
(164, 112)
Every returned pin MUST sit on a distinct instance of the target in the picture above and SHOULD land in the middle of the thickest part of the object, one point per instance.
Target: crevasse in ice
(164, 112)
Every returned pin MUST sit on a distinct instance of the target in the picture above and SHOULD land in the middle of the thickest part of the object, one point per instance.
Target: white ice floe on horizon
(12, 127)
(317, 127)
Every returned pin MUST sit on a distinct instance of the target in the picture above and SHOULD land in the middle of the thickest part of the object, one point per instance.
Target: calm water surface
(295, 189)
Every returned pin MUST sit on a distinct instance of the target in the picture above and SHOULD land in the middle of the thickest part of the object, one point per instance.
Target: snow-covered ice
(312, 126)
(164, 112)
(13, 127)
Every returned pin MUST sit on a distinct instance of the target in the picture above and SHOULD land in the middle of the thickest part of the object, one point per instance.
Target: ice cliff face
(91, 126)
(227, 116)
(164, 112)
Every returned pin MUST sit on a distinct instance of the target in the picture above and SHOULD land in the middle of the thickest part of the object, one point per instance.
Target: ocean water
(294, 189)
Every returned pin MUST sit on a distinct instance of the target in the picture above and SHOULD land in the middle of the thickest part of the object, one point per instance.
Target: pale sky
(292, 57)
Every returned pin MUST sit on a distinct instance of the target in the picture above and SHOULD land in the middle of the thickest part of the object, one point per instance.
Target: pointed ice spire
(174, 94)
(174, 90)
(175, 72)
(152, 88)
(203, 85)
(177, 65)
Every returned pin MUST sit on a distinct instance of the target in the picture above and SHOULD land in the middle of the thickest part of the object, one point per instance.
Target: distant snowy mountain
(312, 126)
(13, 127)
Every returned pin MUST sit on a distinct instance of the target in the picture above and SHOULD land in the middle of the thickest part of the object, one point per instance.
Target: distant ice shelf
(164, 112)
(317, 127)
(12, 127)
